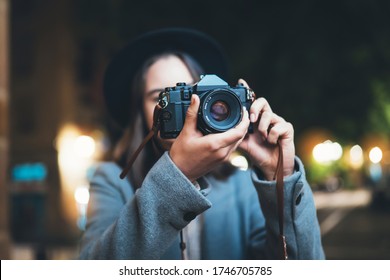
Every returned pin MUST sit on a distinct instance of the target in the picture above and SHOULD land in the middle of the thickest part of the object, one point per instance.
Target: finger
(231, 136)
(240, 131)
(258, 107)
(237, 144)
(281, 130)
(267, 120)
(225, 152)
(190, 122)
(264, 123)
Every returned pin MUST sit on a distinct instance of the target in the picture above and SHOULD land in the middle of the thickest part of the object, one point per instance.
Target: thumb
(192, 113)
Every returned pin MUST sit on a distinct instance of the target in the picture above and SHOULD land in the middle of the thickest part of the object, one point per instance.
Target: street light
(76, 154)
(327, 152)
(375, 155)
(356, 157)
(84, 146)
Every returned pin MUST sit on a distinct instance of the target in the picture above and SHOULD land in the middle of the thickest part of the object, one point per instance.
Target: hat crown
(122, 69)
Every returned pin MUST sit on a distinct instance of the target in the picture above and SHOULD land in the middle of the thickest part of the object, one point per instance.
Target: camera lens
(219, 110)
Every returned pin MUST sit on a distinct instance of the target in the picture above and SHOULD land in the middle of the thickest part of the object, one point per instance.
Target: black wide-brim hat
(121, 70)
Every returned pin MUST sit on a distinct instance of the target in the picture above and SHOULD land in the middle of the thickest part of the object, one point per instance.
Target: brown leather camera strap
(152, 132)
(280, 200)
(278, 177)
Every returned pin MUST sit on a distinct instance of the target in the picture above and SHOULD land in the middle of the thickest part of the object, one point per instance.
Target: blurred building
(40, 96)
(4, 229)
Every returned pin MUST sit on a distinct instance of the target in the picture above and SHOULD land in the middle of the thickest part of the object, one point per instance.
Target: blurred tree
(379, 113)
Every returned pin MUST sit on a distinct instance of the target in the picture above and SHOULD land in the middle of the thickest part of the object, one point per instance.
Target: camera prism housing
(221, 106)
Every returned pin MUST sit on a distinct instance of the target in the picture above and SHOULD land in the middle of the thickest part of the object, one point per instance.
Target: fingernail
(253, 117)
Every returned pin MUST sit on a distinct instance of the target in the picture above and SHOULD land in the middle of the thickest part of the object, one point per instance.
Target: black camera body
(221, 106)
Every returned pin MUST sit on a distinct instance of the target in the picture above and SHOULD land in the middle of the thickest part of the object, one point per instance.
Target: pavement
(353, 225)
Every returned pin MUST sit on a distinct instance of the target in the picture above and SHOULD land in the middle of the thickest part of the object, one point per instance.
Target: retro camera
(221, 106)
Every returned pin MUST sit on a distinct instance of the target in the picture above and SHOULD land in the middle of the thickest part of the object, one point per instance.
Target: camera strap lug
(164, 100)
(250, 95)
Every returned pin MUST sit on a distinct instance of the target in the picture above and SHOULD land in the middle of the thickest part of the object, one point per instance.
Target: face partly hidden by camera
(221, 106)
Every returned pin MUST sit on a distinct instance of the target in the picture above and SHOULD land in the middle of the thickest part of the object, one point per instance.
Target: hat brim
(121, 70)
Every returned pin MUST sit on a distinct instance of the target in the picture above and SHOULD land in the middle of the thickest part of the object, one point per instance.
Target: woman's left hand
(268, 130)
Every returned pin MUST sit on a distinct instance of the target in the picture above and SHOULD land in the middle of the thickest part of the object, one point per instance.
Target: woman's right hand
(196, 154)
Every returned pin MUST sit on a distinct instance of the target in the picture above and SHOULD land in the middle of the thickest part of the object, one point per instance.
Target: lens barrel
(220, 110)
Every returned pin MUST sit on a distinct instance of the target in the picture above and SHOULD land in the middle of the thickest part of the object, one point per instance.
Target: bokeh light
(81, 195)
(84, 146)
(356, 157)
(239, 161)
(375, 155)
(327, 152)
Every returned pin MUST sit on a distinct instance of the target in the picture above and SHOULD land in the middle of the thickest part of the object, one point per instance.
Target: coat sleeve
(145, 225)
(301, 227)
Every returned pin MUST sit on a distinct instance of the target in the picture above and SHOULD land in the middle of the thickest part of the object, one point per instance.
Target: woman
(175, 181)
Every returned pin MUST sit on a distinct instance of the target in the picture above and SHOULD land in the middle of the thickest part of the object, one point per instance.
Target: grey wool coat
(239, 215)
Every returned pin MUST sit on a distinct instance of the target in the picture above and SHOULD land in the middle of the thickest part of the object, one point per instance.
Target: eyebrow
(153, 91)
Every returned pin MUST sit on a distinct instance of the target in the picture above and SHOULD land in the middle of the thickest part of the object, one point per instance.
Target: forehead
(166, 72)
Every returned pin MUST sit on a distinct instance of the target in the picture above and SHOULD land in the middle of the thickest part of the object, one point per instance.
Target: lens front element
(219, 110)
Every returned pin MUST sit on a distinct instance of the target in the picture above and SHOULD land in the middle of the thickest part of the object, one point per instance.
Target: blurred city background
(323, 65)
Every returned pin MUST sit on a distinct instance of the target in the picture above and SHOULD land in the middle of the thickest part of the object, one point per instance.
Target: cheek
(149, 109)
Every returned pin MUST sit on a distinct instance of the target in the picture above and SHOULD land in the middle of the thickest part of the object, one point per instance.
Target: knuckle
(289, 126)
(212, 146)
(222, 153)
(278, 118)
(190, 113)
(266, 114)
(262, 99)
